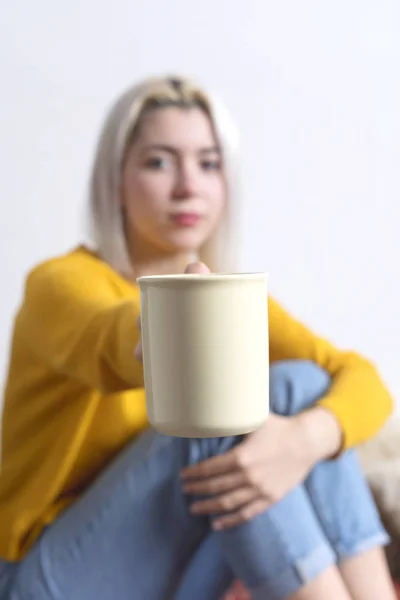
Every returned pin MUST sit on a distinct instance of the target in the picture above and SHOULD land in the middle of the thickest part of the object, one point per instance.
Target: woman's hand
(194, 268)
(138, 349)
(255, 474)
(262, 469)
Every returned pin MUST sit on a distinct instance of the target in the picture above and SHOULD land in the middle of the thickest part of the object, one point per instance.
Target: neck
(161, 265)
(153, 261)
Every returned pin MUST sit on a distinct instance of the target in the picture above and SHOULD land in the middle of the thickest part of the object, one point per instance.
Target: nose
(185, 185)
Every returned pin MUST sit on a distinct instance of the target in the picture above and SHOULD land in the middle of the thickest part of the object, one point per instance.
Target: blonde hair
(105, 215)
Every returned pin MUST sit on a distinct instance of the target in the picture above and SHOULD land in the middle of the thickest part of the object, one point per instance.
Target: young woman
(92, 507)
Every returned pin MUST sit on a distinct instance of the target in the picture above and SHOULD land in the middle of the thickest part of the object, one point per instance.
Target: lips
(186, 219)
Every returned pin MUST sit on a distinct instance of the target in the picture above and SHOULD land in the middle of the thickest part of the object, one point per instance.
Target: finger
(217, 465)
(197, 268)
(243, 514)
(138, 352)
(225, 503)
(238, 592)
(216, 485)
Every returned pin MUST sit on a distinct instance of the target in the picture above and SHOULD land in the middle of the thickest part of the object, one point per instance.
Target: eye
(211, 165)
(157, 163)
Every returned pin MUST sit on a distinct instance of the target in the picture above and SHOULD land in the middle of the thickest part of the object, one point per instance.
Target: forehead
(183, 128)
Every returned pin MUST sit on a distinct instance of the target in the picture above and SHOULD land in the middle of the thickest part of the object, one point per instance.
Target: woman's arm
(73, 319)
(358, 399)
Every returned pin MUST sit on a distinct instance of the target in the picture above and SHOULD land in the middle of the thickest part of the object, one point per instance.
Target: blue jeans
(131, 536)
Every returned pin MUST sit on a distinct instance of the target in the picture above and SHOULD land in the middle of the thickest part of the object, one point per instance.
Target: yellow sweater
(74, 395)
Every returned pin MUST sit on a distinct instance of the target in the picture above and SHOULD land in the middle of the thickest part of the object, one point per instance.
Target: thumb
(197, 268)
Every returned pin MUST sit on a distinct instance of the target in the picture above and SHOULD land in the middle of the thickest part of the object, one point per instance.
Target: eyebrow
(172, 150)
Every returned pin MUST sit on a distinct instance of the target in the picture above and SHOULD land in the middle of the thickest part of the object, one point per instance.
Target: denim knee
(199, 449)
(344, 505)
(296, 385)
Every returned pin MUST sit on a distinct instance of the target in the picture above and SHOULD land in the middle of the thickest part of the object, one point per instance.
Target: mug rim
(202, 277)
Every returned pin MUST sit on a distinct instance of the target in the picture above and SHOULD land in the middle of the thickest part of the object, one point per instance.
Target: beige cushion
(380, 459)
(385, 446)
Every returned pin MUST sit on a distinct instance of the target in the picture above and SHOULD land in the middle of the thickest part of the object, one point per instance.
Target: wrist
(321, 433)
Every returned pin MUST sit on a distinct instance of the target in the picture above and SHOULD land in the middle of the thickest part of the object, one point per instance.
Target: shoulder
(78, 272)
(277, 310)
(284, 326)
(79, 260)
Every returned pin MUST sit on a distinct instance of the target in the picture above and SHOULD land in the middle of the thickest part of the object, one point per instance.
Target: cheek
(218, 196)
(144, 196)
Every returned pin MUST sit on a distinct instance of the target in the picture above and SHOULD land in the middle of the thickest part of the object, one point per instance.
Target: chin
(186, 241)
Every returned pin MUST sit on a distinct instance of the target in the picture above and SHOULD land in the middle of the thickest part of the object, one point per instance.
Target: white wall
(315, 87)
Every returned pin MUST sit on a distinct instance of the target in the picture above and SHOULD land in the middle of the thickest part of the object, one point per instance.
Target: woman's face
(173, 186)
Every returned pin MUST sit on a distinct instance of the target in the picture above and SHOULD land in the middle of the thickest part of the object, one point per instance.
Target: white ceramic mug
(205, 353)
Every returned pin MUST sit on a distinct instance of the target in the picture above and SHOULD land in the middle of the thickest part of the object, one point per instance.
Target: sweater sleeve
(357, 397)
(73, 319)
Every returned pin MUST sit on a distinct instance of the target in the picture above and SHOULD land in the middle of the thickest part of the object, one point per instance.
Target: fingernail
(217, 525)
